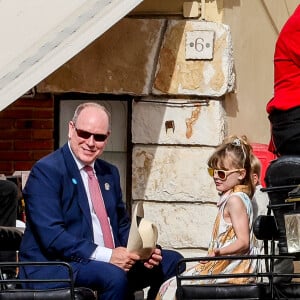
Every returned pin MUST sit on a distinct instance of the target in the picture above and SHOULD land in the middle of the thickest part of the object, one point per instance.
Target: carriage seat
(223, 291)
(10, 288)
(265, 228)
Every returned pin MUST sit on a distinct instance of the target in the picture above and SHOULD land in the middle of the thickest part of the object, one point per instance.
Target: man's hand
(123, 259)
(154, 259)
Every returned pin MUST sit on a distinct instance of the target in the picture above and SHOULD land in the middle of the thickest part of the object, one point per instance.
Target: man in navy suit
(62, 225)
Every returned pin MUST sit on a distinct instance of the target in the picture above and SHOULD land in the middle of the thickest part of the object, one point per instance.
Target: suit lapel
(105, 186)
(75, 176)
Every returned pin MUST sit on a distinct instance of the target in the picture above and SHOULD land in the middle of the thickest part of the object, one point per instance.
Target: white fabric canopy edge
(22, 75)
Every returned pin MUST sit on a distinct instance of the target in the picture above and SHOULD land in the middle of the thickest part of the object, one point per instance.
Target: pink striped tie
(99, 207)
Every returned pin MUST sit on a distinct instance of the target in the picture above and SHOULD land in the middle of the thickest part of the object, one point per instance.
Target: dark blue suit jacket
(59, 225)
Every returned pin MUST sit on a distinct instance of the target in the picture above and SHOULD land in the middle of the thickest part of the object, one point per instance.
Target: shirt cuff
(101, 254)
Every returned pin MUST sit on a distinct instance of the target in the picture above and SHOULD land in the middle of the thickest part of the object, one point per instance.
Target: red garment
(287, 66)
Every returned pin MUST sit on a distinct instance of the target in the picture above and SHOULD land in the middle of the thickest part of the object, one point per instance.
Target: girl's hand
(212, 254)
(216, 252)
(203, 262)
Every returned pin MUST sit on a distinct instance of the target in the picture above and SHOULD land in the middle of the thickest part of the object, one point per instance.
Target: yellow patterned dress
(222, 235)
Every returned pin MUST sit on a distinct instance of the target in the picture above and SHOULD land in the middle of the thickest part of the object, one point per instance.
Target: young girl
(232, 234)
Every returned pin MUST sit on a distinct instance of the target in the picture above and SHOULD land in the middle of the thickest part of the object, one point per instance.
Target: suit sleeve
(54, 216)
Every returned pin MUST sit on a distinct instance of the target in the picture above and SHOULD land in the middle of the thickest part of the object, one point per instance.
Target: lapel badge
(107, 186)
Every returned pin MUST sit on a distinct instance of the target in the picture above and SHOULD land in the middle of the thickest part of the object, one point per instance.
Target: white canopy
(38, 36)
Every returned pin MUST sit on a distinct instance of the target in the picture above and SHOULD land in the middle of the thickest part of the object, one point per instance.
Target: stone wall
(170, 167)
(177, 115)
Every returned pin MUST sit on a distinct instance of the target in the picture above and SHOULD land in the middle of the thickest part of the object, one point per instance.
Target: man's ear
(71, 126)
(108, 134)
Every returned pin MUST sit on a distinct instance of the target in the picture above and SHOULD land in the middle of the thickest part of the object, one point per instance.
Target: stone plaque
(199, 44)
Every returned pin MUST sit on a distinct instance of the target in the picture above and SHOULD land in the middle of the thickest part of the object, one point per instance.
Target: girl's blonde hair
(238, 151)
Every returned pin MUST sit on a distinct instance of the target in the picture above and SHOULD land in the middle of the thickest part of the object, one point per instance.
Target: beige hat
(143, 234)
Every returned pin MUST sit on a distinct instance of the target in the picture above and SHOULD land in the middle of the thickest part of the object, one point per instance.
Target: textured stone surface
(168, 173)
(124, 59)
(194, 123)
(121, 61)
(181, 225)
(176, 75)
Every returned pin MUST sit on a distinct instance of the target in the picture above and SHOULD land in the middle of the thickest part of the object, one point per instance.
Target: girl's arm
(236, 213)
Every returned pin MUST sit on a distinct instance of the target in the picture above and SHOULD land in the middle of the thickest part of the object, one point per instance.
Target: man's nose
(91, 140)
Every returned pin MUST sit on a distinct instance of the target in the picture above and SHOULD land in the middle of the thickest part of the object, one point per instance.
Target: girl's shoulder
(243, 197)
(240, 194)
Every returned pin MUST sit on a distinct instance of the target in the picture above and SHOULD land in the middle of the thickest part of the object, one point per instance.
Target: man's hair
(82, 106)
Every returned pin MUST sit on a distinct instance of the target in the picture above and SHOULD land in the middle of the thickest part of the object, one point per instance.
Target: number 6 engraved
(199, 44)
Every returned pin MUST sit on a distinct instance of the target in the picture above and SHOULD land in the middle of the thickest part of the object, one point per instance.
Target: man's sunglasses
(98, 137)
(221, 174)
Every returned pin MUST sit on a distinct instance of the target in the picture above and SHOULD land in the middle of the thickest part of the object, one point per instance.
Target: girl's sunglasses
(221, 174)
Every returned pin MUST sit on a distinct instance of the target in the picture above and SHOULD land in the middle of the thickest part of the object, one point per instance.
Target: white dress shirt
(101, 253)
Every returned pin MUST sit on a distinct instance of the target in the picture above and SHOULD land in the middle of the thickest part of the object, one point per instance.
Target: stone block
(175, 75)
(172, 174)
(121, 61)
(191, 9)
(182, 225)
(178, 122)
